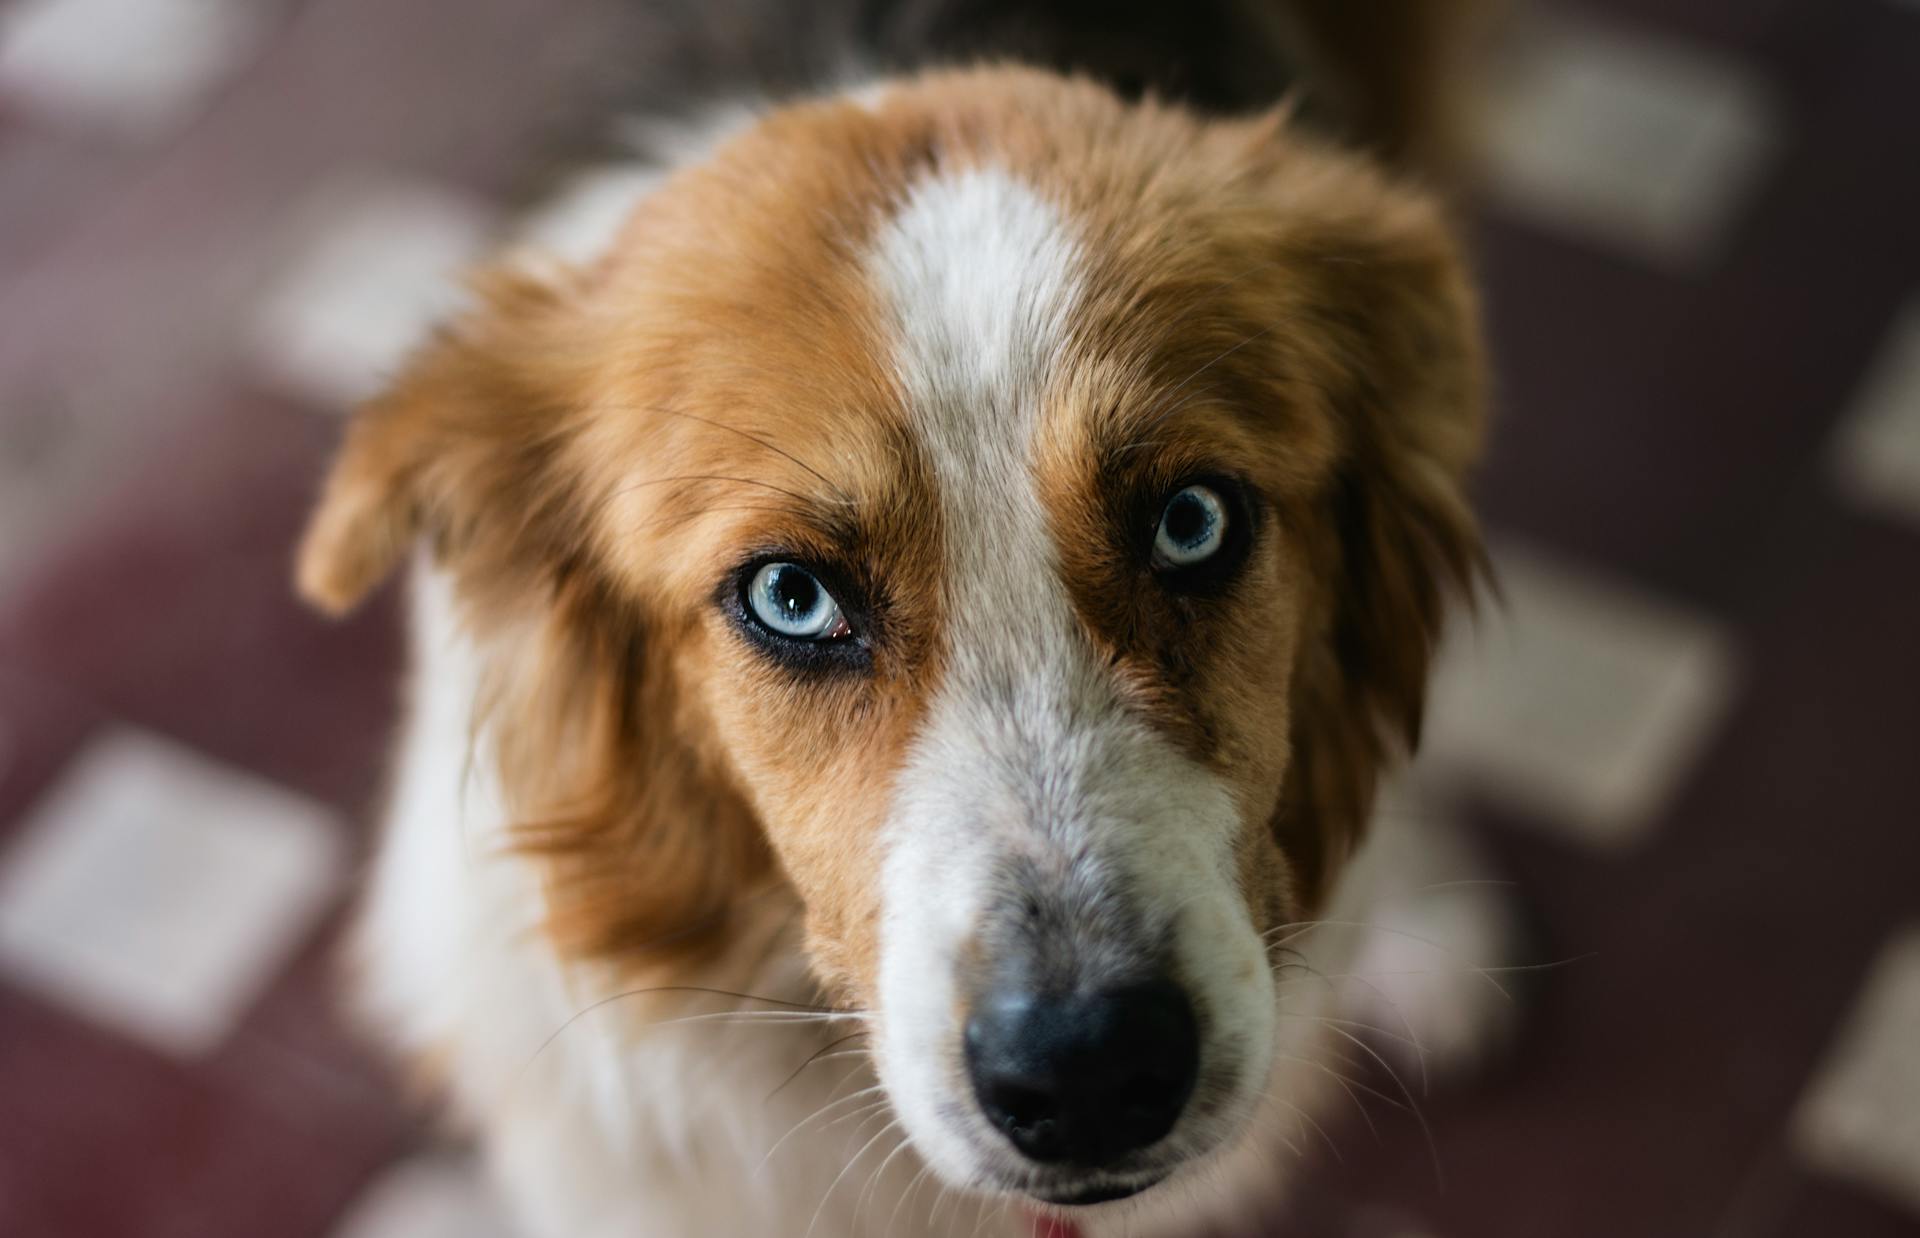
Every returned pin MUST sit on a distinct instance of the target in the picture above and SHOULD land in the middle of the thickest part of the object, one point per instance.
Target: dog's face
(1016, 521)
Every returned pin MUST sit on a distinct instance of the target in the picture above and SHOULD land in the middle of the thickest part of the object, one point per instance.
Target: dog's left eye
(1193, 528)
(790, 601)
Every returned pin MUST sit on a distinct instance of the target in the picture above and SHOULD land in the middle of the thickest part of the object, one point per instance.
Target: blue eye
(1192, 529)
(790, 601)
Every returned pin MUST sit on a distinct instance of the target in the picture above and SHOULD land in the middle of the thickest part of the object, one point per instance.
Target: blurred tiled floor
(1692, 741)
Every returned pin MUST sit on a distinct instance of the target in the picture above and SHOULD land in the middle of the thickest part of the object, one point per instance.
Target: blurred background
(1692, 737)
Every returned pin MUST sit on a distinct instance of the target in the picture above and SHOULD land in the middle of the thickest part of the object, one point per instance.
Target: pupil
(794, 591)
(1187, 520)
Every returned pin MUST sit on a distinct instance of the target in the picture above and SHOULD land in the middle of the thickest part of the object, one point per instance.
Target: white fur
(1026, 750)
(601, 1119)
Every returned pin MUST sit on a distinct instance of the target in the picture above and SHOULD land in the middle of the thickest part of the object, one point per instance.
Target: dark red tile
(1823, 1208)
(172, 608)
(48, 183)
(1650, 421)
(41, 726)
(101, 1139)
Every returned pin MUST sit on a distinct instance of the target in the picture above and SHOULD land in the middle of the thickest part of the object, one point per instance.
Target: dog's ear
(649, 850)
(1394, 347)
(464, 434)
(606, 771)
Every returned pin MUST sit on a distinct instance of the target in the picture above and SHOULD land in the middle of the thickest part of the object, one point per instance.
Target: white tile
(159, 893)
(1876, 456)
(428, 1197)
(373, 266)
(1639, 144)
(579, 223)
(135, 66)
(1860, 1116)
(1581, 701)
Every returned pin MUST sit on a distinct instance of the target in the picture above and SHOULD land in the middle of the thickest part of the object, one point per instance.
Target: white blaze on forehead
(1027, 750)
(981, 275)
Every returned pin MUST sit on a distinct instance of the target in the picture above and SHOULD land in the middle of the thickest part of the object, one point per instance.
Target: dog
(910, 610)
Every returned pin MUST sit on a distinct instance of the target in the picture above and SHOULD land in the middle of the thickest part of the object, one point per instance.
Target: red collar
(1049, 1227)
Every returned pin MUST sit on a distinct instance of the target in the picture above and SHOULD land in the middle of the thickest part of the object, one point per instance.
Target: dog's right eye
(789, 601)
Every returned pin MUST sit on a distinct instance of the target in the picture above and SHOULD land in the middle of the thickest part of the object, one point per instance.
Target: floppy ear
(649, 849)
(460, 440)
(608, 775)
(1396, 329)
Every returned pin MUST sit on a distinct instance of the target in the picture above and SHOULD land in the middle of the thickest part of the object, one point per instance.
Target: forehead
(871, 302)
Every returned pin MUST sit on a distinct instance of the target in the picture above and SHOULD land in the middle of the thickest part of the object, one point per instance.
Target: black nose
(1084, 1078)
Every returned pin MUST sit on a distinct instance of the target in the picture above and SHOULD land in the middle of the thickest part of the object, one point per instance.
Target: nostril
(1085, 1078)
(1022, 1106)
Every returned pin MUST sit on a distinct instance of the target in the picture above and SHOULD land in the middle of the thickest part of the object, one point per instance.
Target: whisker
(841, 1176)
(1346, 1085)
(1155, 418)
(689, 513)
(821, 1112)
(1412, 1034)
(1412, 1042)
(815, 1056)
(800, 1014)
(873, 1183)
(911, 1192)
(1163, 415)
(783, 1003)
(795, 495)
(1433, 1145)
(1301, 927)
(859, 1117)
(778, 451)
(1309, 1120)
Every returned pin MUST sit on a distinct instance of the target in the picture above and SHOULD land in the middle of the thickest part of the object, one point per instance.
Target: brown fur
(589, 456)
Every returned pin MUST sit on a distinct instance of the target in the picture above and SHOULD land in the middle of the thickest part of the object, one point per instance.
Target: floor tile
(431, 1196)
(48, 185)
(102, 1138)
(170, 605)
(1823, 1207)
(55, 458)
(159, 892)
(1616, 135)
(1876, 453)
(585, 216)
(376, 265)
(41, 727)
(1860, 1117)
(139, 67)
(1580, 700)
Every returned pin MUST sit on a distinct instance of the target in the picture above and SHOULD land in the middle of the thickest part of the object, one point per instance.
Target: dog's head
(1015, 520)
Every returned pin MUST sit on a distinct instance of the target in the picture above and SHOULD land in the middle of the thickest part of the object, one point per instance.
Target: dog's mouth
(1096, 1193)
(1064, 1197)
